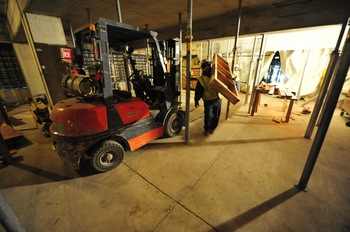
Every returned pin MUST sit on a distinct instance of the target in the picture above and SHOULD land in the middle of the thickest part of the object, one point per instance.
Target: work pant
(212, 109)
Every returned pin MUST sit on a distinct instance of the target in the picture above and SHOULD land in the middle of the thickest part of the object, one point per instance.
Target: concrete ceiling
(211, 18)
(158, 14)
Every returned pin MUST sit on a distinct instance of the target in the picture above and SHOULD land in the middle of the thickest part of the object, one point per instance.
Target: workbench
(283, 94)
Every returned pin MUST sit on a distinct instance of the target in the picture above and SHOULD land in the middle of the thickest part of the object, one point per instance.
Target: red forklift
(98, 123)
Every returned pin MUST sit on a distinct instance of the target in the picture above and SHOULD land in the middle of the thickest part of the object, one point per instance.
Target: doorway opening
(274, 73)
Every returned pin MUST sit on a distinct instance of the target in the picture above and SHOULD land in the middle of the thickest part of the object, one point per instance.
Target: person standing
(236, 77)
(211, 98)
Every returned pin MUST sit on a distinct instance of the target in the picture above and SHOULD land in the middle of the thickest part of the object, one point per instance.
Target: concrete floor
(241, 178)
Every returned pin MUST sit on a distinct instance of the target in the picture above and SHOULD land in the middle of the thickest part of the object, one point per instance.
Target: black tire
(173, 124)
(107, 156)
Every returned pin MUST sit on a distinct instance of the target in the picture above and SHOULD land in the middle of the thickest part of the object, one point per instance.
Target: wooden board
(221, 79)
(9, 133)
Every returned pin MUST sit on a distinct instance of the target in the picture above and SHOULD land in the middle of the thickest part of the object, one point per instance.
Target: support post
(88, 15)
(148, 66)
(72, 33)
(235, 49)
(327, 79)
(250, 74)
(330, 106)
(7, 218)
(209, 46)
(180, 57)
(188, 68)
(257, 71)
(119, 11)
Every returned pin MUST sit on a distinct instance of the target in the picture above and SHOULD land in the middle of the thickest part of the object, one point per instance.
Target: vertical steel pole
(330, 106)
(180, 57)
(303, 75)
(235, 48)
(188, 68)
(250, 74)
(327, 79)
(148, 68)
(119, 11)
(208, 54)
(257, 71)
(88, 14)
(8, 219)
(72, 33)
(228, 49)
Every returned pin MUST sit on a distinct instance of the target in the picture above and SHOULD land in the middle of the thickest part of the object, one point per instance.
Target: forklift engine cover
(74, 118)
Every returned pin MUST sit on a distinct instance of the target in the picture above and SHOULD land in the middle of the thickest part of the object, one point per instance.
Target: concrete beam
(282, 16)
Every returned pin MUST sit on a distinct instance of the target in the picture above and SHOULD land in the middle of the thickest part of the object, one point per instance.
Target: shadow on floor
(250, 215)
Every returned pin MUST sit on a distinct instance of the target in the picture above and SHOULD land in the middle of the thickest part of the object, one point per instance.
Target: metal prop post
(330, 106)
(8, 219)
(180, 57)
(257, 71)
(327, 79)
(235, 49)
(119, 11)
(188, 68)
(72, 33)
(250, 74)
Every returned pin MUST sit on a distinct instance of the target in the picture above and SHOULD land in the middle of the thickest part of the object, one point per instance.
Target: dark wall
(4, 34)
(53, 70)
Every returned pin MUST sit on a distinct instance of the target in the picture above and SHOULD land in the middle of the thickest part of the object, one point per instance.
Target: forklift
(99, 122)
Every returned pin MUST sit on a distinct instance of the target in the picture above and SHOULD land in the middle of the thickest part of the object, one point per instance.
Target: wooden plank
(221, 79)
(9, 132)
(226, 73)
(222, 88)
(281, 92)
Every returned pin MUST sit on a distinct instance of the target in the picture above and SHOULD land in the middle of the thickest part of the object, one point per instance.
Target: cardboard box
(221, 79)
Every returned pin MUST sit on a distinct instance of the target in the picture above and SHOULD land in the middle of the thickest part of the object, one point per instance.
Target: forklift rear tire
(107, 156)
(173, 124)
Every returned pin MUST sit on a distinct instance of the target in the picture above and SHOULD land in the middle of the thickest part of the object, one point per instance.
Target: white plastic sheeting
(304, 69)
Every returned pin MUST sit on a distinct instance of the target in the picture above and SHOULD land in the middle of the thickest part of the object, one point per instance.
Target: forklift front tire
(107, 156)
(173, 123)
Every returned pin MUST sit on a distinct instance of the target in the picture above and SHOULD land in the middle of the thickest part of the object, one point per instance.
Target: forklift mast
(161, 90)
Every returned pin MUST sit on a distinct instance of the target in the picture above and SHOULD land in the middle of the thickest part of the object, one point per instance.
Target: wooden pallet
(221, 79)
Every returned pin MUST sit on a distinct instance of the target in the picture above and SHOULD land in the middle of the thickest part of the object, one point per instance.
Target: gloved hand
(196, 104)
